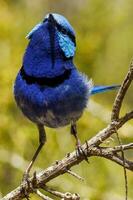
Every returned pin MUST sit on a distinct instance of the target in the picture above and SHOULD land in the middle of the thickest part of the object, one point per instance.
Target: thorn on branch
(57, 162)
(34, 180)
(68, 155)
(75, 175)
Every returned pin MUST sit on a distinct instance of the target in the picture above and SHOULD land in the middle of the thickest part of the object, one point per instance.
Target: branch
(61, 168)
(91, 148)
(65, 196)
(121, 93)
(118, 148)
(44, 197)
(111, 154)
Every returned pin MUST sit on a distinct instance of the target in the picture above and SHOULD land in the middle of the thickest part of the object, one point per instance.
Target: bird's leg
(78, 143)
(42, 140)
(74, 133)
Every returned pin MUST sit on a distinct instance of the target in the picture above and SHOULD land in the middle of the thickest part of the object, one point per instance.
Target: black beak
(51, 20)
(51, 27)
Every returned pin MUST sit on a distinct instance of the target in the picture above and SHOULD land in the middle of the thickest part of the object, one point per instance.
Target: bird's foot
(31, 184)
(26, 180)
(26, 194)
(80, 151)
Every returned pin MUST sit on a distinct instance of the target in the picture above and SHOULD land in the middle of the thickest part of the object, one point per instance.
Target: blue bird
(49, 89)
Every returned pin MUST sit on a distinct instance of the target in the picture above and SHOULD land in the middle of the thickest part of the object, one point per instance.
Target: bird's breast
(53, 106)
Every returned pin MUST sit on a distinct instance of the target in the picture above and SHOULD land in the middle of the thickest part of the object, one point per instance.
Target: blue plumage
(53, 106)
(99, 89)
(66, 45)
(29, 35)
(49, 89)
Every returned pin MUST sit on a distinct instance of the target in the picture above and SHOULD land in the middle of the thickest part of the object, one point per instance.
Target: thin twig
(124, 168)
(75, 175)
(106, 153)
(65, 196)
(126, 117)
(118, 148)
(44, 197)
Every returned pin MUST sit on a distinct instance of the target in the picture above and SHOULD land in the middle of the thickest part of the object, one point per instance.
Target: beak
(51, 20)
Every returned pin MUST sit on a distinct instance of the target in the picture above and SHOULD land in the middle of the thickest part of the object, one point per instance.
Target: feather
(29, 35)
(100, 89)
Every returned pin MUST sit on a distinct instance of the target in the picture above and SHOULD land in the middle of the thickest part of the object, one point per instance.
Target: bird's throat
(52, 44)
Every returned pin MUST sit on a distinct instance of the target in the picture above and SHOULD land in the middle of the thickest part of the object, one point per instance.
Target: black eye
(64, 31)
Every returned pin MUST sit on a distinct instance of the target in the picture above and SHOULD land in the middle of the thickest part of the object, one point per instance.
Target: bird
(49, 89)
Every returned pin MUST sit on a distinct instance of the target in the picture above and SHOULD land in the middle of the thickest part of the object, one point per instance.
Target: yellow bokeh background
(104, 32)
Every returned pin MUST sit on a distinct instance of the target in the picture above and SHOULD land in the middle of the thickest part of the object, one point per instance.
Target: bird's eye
(63, 30)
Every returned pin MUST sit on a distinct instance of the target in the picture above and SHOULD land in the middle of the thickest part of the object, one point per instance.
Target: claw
(26, 179)
(80, 151)
(26, 194)
(30, 184)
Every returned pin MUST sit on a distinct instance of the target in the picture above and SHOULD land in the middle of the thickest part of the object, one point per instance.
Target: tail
(100, 89)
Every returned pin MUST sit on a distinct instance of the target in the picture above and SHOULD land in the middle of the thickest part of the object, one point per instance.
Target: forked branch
(91, 148)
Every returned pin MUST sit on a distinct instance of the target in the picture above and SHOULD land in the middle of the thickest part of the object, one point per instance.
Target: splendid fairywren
(49, 89)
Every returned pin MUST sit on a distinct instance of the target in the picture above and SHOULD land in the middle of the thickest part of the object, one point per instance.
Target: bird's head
(59, 30)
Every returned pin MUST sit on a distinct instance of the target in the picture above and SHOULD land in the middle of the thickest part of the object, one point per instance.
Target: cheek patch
(66, 44)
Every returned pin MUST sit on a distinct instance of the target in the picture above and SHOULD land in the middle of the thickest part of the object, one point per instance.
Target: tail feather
(100, 89)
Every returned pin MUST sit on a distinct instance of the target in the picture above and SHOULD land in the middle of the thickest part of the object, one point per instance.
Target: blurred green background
(104, 31)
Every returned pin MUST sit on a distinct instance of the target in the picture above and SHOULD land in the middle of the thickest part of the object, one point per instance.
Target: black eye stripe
(63, 31)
